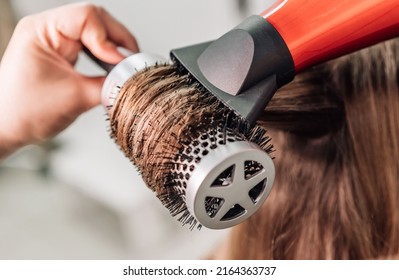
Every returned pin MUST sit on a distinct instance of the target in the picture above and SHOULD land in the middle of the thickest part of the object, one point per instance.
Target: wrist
(9, 142)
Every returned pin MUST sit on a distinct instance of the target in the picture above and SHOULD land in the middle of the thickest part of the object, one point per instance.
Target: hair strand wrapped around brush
(161, 120)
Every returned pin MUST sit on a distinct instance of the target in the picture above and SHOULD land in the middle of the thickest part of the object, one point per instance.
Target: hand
(40, 92)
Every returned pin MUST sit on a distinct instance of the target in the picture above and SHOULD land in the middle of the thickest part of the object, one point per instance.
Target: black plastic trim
(243, 68)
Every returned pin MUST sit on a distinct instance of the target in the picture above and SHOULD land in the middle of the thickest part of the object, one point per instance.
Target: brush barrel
(316, 31)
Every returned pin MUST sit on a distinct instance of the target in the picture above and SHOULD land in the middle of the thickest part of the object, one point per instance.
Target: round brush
(191, 150)
(201, 160)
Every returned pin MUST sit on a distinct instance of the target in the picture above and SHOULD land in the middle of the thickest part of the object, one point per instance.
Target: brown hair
(336, 194)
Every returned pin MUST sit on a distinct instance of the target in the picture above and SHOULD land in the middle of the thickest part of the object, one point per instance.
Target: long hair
(336, 195)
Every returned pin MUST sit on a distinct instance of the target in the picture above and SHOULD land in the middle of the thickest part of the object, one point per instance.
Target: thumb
(91, 91)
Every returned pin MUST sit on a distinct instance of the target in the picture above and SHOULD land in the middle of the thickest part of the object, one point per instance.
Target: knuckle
(101, 10)
(88, 8)
(26, 21)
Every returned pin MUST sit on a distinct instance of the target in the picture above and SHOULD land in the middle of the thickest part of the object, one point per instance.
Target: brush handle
(316, 30)
(104, 65)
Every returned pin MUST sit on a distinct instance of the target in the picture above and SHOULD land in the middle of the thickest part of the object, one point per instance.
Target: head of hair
(335, 129)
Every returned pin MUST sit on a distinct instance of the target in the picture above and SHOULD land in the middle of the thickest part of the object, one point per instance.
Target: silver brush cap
(124, 70)
(229, 184)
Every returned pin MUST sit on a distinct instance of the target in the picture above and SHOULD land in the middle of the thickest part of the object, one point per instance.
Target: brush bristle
(158, 120)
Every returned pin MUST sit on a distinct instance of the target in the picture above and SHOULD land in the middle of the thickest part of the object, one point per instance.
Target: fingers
(117, 32)
(91, 25)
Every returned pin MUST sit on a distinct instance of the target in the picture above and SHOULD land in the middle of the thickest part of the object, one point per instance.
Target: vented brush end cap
(229, 184)
(122, 72)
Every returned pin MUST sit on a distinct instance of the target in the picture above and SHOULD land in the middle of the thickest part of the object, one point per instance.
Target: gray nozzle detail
(223, 205)
(243, 68)
(246, 55)
(122, 72)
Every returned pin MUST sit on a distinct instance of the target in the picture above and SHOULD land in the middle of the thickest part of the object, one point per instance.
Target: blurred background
(77, 196)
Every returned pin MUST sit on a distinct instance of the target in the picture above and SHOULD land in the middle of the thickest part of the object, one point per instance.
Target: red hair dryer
(245, 67)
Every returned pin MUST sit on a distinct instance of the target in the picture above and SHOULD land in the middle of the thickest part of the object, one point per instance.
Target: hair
(336, 194)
